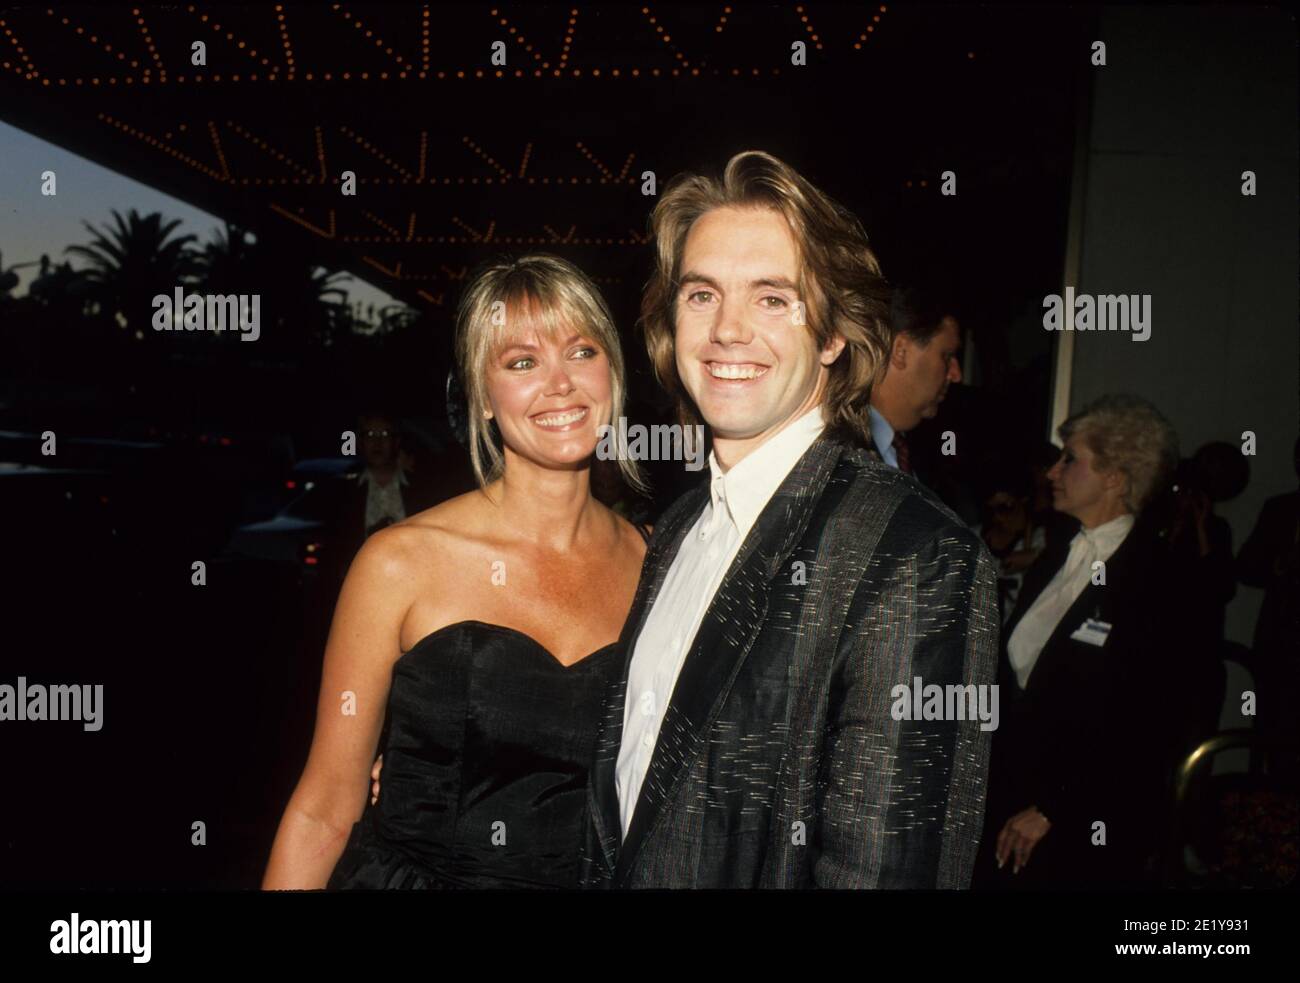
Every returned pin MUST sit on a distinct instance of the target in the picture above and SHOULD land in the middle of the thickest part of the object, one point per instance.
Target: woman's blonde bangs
(513, 301)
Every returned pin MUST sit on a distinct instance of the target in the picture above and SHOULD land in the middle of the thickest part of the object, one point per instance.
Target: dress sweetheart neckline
(511, 631)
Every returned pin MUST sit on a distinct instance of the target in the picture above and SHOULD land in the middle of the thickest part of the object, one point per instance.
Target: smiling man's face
(743, 349)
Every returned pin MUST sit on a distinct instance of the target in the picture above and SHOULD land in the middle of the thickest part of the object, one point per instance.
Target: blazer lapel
(664, 544)
(730, 626)
(1087, 604)
(1037, 577)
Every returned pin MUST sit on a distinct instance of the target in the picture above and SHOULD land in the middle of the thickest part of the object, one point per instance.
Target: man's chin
(728, 428)
(731, 422)
(718, 414)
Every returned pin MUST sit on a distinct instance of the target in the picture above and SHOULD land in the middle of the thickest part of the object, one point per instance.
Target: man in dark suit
(924, 360)
(761, 733)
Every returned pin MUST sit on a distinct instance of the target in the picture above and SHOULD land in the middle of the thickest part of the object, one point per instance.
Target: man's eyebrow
(779, 282)
(690, 276)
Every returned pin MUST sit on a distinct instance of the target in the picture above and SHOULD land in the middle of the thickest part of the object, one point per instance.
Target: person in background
(923, 361)
(385, 490)
(1202, 540)
(1270, 559)
(1091, 687)
(386, 493)
(1201, 544)
(1009, 531)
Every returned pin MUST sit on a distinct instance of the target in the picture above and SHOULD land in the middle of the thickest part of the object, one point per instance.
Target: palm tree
(320, 292)
(301, 304)
(227, 262)
(131, 263)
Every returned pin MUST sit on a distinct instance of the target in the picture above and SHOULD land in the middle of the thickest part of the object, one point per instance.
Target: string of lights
(287, 68)
(295, 45)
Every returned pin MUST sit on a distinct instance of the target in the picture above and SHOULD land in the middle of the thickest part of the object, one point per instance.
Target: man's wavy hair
(840, 283)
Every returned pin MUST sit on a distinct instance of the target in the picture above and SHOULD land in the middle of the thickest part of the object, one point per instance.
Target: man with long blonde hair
(796, 607)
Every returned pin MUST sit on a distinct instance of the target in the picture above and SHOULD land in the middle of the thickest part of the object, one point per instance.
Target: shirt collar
(1105, 538)
(881, 431)
(746, 489)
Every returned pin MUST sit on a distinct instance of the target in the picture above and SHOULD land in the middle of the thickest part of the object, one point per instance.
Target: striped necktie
(900, 449)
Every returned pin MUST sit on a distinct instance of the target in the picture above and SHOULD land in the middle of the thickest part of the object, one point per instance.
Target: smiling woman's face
(743, 353)
(548, 396)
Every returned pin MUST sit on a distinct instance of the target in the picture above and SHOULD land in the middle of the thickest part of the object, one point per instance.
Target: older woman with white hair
(1089, 679)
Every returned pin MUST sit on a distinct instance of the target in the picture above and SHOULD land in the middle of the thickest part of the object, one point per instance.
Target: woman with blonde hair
(473, 642)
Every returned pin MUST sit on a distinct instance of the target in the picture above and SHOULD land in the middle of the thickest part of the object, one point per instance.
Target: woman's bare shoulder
(388, 557)
(457, 519)
(403, 550)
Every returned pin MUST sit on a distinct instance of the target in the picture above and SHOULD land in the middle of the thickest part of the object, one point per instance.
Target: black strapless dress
(489, 740)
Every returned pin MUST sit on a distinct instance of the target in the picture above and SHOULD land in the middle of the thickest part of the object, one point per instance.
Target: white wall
(1188, 99)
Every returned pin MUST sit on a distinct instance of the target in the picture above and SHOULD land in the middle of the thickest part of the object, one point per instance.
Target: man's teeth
(720, 371)
(561, 419)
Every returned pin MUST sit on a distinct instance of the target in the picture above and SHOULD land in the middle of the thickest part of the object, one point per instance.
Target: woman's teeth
(560, 419)
(721, 371)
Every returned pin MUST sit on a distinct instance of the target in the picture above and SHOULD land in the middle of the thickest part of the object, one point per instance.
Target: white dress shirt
(383, 501)
(1040, 621)
(697, 571)
(882, 435)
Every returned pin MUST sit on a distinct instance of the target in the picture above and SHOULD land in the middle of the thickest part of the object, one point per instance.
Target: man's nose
(954, 371)
(729, 326)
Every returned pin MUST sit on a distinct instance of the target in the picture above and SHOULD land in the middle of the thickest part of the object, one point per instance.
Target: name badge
(1093, 632)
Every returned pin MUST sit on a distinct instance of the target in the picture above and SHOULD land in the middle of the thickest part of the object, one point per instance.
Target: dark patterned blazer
(779, 763)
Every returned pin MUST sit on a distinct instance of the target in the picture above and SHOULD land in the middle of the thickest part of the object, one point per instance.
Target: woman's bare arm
(359, 655)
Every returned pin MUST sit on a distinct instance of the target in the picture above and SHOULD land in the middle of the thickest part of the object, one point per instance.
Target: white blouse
(1040, 621)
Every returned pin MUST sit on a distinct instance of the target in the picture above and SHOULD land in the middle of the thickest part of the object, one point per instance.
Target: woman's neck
(552, 509)
(1107, 512)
